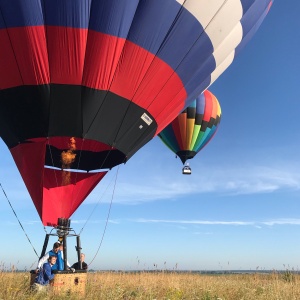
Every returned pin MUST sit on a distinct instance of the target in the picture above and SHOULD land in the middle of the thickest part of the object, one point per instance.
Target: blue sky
(239, 209)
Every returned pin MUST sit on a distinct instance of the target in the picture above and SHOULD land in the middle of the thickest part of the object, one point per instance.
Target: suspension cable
(18, 220)
(93, 210)
(106, 218)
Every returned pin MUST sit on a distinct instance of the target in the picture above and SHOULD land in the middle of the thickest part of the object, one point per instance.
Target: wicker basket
(67, 282)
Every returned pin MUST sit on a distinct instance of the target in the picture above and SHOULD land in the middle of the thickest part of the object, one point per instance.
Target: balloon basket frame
(64, 281)
(63, 231)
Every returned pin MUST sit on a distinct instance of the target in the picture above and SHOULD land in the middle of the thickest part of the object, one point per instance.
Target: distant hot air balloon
(85, 84)
(193, 128)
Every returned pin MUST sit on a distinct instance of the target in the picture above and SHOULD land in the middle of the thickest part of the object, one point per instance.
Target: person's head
(61, 247)
(52, 260)
(82, 257)
(56, 247)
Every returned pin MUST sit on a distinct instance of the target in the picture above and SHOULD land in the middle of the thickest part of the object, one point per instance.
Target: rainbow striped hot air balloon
(193, 128)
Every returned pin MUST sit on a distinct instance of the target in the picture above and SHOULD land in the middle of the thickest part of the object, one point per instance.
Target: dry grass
(164, 285)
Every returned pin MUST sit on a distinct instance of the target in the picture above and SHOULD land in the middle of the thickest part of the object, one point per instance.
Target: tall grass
(164, 285)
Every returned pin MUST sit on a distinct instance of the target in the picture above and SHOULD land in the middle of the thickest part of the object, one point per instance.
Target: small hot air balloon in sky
(85, 84)
(193, 128)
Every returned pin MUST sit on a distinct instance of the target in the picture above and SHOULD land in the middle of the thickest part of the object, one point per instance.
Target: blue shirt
(44, 275)
(59, 265)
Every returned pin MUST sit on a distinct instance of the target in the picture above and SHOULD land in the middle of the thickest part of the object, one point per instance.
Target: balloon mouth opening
(184, 155)
(78, 154)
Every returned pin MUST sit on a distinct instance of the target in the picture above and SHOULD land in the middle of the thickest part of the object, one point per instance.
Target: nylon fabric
(185, 136)
(97, 80)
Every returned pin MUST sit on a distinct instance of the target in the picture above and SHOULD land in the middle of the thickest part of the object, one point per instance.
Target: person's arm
(68, 264)
(75, 266)
(43, 260)
(62, 257)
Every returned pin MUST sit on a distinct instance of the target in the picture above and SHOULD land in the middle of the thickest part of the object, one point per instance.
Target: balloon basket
(186, 170)
(66, 282)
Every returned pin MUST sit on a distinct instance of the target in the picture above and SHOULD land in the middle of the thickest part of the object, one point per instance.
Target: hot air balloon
(85, 84)
(193, 128)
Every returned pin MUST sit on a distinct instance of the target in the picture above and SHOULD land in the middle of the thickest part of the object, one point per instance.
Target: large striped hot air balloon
(85, 84)
(193, 128)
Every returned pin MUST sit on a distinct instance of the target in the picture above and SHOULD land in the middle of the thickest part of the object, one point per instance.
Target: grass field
(164, 285)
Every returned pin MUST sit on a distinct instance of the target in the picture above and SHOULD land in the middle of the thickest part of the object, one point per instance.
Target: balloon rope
(49, 146)
(106, 219)
(97, 204)
(18, 220)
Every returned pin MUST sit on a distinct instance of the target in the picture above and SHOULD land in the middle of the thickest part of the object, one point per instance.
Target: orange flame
(67, 158)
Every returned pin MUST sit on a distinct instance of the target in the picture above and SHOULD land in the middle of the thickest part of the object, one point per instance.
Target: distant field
(165, 285)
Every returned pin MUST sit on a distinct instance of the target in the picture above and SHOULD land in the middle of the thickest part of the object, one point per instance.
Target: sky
(240, 208)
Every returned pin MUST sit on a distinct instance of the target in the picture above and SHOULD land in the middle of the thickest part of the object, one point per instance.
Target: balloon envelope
(194, 127)
(85, 84)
